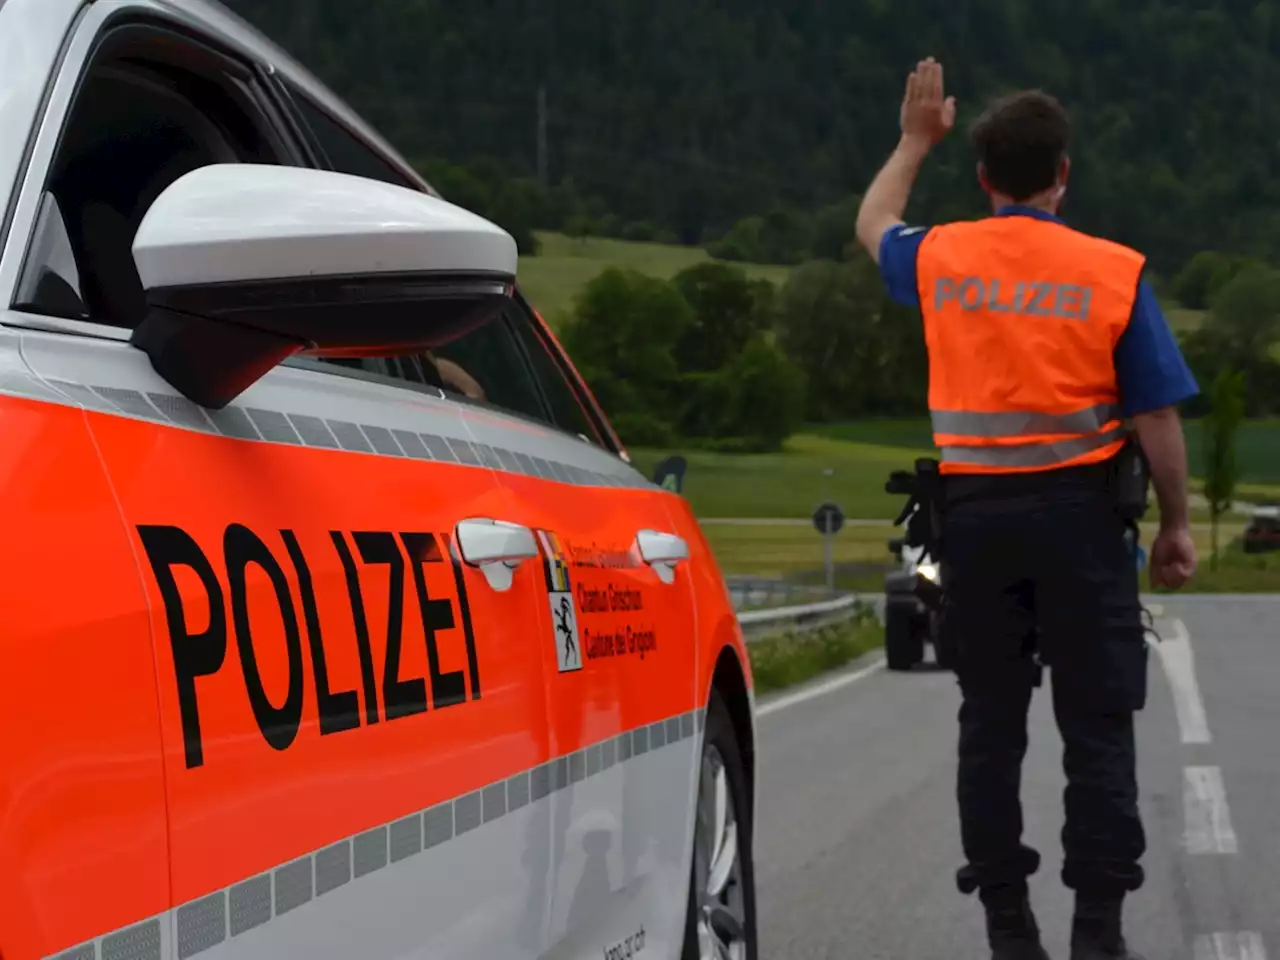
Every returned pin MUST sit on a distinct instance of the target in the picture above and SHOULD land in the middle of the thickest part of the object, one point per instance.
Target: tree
(621, 338)
(767, 395)
(1221, 470)
(726, 313)
(826, 319)
(1204, 275)
(1245, 313)
(834, 229)
(743, 242)
(861, 354)
(751, 405)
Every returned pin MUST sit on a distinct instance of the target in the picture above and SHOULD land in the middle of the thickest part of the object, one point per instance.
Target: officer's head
(1021, 142)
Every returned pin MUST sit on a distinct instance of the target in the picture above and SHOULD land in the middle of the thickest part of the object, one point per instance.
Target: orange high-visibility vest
(1021, 320)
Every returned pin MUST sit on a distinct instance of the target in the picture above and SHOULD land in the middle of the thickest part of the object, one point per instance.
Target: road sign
(828, 518)
(670, 474)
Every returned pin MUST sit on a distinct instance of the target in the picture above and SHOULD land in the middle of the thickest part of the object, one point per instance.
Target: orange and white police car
(336, 622)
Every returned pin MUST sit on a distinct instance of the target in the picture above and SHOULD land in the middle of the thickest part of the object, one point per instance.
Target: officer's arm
(1154, 379)
(1162, 440)
(885, 202)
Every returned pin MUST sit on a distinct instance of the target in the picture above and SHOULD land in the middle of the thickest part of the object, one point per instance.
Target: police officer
(1042, 342)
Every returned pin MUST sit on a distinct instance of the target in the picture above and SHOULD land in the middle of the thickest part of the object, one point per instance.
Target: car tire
(903, 643)
(721, 916)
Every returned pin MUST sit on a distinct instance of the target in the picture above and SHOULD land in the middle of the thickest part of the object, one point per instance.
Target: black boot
(1012, 931)
(1096, 931)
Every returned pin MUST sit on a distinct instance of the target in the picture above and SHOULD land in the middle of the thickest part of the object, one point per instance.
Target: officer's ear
(982, 178)
(1064, 170)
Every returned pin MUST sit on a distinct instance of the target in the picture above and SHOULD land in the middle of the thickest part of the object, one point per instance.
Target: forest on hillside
(686, 116)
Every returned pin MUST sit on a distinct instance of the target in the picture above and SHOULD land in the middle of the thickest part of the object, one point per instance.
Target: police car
(337, 623)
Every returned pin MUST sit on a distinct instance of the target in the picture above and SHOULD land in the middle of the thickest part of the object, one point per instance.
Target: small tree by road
(1221, 469)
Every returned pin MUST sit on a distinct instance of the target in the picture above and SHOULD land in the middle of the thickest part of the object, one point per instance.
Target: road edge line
(819, 689)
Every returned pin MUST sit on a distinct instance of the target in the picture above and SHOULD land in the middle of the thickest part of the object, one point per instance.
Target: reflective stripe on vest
(1026, 456)
(1023, 423)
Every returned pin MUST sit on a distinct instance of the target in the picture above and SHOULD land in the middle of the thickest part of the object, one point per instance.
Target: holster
(1129, 480)
(930, 495)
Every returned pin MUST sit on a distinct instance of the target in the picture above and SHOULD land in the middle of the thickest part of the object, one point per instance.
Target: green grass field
(553, 279)
(862, 455)
(778, 550)
(791, 552)
(791, 484)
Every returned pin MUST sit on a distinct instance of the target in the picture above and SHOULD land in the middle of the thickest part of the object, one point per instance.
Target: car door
(621, 659)
(349, 711)
(82, 793)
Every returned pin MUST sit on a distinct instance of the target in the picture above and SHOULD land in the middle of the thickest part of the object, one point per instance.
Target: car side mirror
(245, 265)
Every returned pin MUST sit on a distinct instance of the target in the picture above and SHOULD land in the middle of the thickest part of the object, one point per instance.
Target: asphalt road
(857, 841)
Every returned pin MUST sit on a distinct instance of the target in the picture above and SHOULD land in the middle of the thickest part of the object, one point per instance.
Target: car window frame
(79, 56)
(292, 95)
(572, 378)
(602, 437)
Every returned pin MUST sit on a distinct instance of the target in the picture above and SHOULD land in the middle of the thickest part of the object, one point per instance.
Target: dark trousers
(1040, 574)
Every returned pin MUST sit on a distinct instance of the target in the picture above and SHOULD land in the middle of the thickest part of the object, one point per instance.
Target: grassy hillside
(553, 278)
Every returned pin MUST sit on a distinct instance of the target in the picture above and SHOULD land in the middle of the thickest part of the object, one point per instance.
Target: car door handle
(496, 547)
(662, 551)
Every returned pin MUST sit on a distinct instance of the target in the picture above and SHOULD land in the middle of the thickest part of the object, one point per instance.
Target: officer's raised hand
(927, 113)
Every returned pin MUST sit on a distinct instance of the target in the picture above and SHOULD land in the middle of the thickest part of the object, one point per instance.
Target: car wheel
(721, 923)
(903, 643)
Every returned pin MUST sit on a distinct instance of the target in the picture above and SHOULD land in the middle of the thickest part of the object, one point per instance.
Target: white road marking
(1207, 819)
(820, 690)
(1179, 663)
(1230, 946)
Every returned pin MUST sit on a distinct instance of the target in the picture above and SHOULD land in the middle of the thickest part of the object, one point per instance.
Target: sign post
(828, 520)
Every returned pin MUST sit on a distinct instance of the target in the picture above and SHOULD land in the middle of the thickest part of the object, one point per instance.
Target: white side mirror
(245, 265)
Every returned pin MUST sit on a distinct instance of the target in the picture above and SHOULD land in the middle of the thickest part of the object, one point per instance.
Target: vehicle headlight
(929, 571)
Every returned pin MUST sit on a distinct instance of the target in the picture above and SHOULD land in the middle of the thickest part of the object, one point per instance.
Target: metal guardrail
(755, 592)
(806, 616)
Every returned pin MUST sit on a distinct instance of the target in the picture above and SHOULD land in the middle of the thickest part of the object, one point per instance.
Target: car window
(346, 152)
(494, 364)
(138, 123)
(486, 364)
(566, 407)
(51, 284)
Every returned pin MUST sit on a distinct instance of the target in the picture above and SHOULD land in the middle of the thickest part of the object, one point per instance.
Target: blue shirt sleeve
(1150, 368)
(899, 248)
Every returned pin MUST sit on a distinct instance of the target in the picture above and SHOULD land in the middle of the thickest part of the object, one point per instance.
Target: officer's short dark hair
(1021, 139)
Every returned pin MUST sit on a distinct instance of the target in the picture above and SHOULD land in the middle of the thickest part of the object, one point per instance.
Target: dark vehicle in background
(913, 592)
(1262, 535)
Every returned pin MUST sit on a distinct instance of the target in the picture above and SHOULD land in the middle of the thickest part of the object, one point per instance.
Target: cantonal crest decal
(564, 613)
